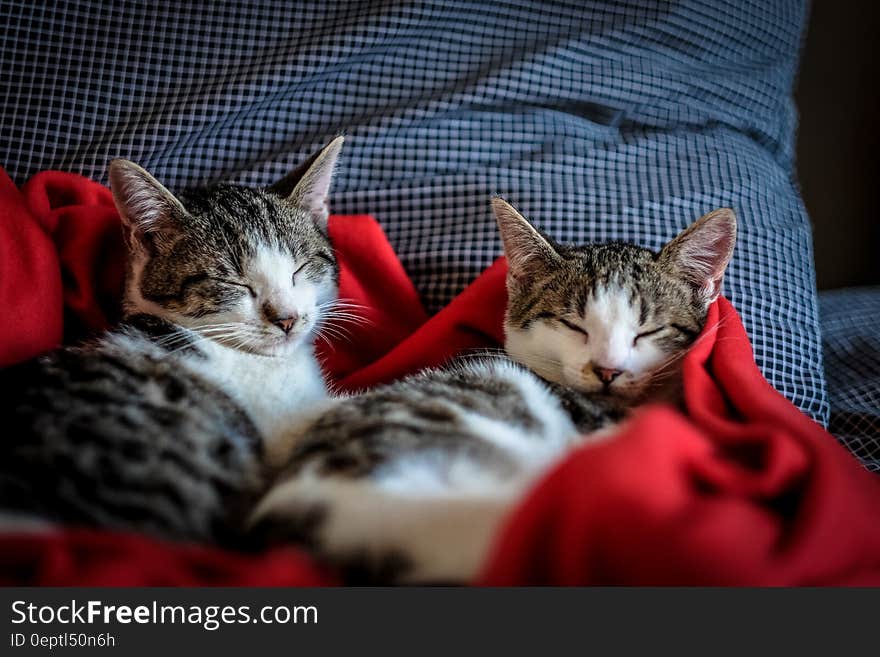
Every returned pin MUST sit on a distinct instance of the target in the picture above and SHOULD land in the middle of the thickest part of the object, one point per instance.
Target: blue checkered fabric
(851, 341)
(598, 120)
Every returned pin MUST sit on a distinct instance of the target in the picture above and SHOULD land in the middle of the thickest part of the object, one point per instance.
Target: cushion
(851, 342)
(597, 120)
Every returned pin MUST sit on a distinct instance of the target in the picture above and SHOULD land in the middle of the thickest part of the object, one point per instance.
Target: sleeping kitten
(168, 424)
(410, 481)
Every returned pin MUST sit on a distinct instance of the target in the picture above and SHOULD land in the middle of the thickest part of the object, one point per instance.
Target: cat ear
(308, 185)
(149, 211)
(701, 252)
(528, 251)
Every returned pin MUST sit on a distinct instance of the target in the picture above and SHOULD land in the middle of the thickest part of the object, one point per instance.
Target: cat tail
(377, 536)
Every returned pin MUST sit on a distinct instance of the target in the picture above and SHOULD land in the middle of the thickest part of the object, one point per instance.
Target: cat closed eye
(244, 286)
(647, 334)
(298, 270)
(573, 327)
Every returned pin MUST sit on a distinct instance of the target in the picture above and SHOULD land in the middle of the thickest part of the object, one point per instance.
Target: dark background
(839, 104)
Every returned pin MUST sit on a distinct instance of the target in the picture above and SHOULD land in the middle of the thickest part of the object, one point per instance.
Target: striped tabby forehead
(236, 223)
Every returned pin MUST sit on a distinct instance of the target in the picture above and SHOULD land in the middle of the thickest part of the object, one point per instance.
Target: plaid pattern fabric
(598, 120)
(851, 342)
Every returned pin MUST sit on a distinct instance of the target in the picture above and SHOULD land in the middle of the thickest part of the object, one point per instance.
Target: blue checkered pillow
(599, 120)
(851, 341)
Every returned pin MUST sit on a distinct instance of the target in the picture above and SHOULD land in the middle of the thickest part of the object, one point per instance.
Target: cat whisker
(329, 336)
(203, 326)
(332, 331)
(348, 318)
(186, 335)
(484, 353)
(227, 334)
(186, 345)
(342, 302)
(343, 309)
(341, 314)
(334, 327)
(348, 326)
(172, 339)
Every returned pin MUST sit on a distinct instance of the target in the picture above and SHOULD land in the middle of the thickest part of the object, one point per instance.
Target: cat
(169, 425)
(409, 482)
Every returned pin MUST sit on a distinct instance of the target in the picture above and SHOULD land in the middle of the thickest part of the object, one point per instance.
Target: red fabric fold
(30, 280)
(743, 489)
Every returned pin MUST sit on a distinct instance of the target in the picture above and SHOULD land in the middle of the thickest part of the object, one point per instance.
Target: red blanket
(743, 490)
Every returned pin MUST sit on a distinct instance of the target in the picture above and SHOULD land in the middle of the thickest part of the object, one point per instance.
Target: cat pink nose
(286, 323)
(607, 374)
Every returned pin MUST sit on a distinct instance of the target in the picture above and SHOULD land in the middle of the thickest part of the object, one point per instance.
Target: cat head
(249, 268)
(609, 318)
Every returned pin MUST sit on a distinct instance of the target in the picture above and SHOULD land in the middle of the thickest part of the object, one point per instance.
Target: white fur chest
(274, 391)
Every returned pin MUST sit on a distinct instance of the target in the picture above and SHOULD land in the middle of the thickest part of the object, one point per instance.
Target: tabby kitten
(409, 482)
(168, 424)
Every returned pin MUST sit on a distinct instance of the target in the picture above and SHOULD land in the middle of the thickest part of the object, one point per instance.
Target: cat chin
(282, 348)
(629, 393)
(279, 348)
(622, 394)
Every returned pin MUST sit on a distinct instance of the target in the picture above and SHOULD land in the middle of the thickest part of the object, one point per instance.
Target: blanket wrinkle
(742, 489)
